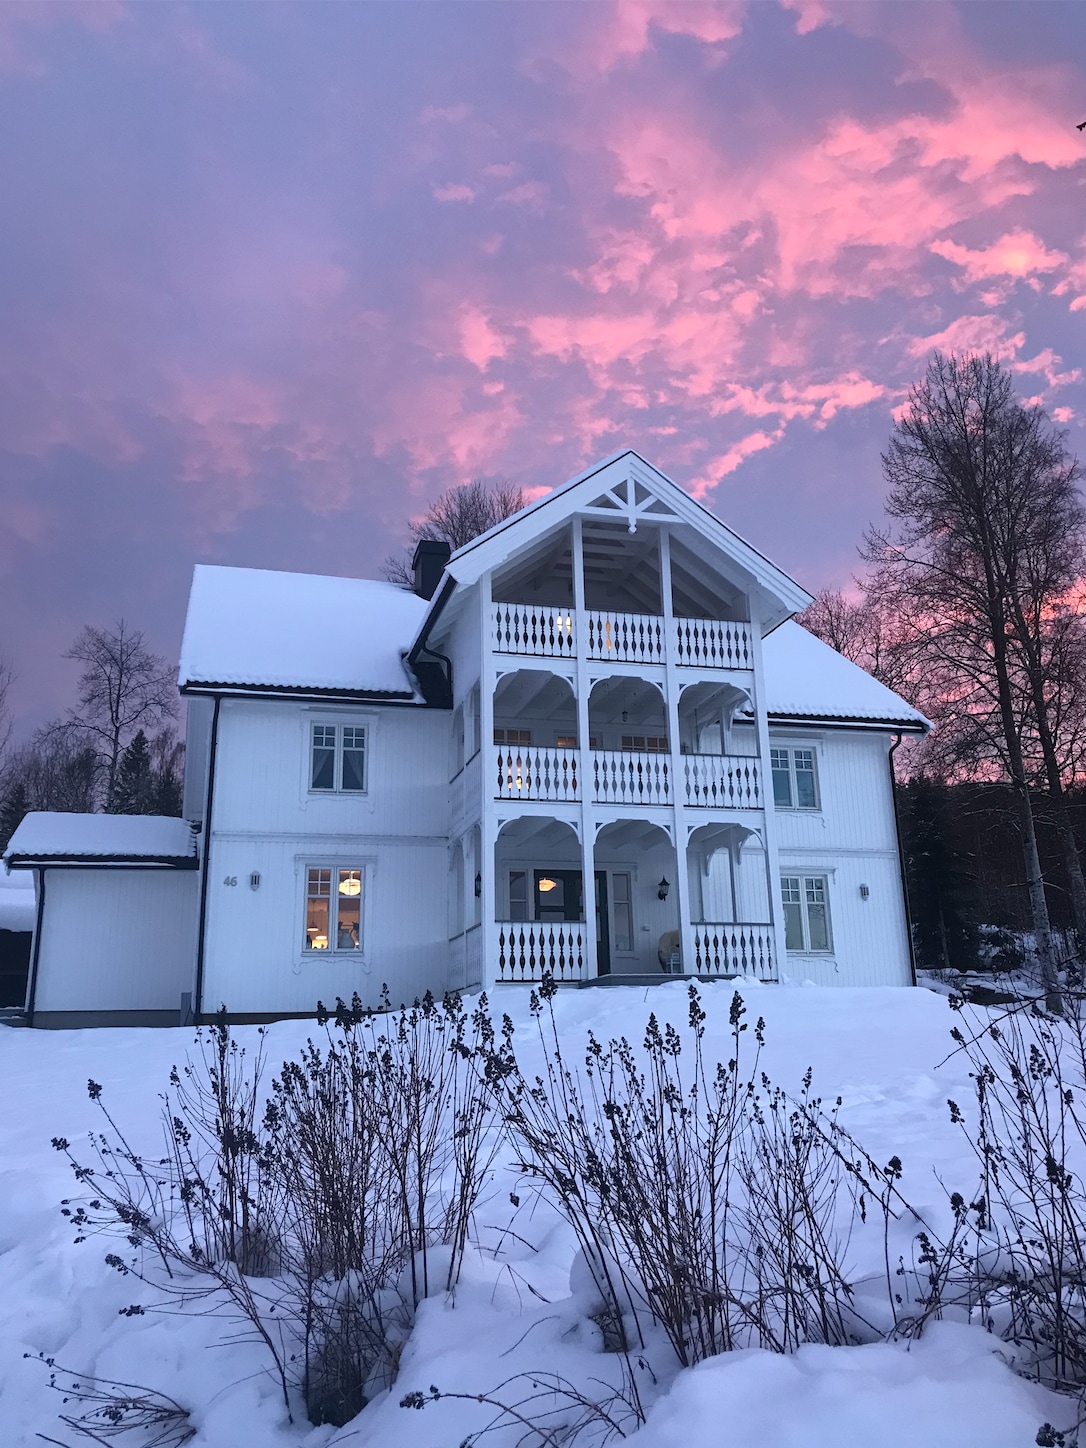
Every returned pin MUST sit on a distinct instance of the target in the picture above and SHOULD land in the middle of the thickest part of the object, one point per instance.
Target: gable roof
(779, 595)
(251, 630)
(806, 680)
(55, 838)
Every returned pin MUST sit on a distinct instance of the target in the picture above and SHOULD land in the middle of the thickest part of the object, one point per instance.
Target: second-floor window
(337, 758)
(795, 780)
(519, 738)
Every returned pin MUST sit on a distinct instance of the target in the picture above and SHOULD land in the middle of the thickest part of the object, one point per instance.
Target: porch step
(12, 1016)
(656, 978)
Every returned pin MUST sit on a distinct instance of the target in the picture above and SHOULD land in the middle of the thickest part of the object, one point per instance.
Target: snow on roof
(806, 679)
(142, 839)
(250, 627)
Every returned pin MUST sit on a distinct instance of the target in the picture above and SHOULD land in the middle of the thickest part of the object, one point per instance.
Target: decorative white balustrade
(530, 949)
(722, 781)
(548, 632)
(526, 628)
(528, 772)
(710, 643)
(636, 638)
(621, 777)
(734, 950)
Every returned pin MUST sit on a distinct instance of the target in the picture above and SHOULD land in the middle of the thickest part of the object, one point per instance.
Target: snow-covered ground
(884, 1051)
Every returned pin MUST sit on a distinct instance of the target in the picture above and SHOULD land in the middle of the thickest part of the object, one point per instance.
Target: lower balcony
(617, 776)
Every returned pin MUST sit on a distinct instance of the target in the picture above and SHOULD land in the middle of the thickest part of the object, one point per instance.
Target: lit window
(333, 909)
(337, 758)
(519, 738)
(806, 913)
(795, 780)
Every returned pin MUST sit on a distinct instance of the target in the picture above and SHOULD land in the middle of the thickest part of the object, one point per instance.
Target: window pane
(793, 912)
(566, 741)
(318, 891)
(806, 795)
(354, 758)
(349, 910)
(818, 924)
(623, 912)
(322, 771)
(782, 786)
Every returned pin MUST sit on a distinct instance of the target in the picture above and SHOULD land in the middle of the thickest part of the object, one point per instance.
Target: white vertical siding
(852, 840)
(116, 940)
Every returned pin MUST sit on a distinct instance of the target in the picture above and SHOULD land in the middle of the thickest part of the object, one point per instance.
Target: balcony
(551, 775)
(549, 632)
(527, 950)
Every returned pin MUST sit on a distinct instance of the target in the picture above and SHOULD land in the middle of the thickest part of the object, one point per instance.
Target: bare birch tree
(984, 544)
(124, 687)
(459, 515)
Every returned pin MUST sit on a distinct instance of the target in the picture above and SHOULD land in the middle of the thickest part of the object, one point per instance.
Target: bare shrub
(111, 1409)
(704, 1200)
(320, 1222)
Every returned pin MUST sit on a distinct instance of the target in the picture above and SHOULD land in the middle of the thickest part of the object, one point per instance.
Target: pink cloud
(479, 342)
(532, 195)
(1018, 254)
(727, 462)
(971, 334)
(455, 191)
(20, 19)
(622, 33)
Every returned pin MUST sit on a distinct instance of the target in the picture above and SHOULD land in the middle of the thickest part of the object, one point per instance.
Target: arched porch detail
(729, 891)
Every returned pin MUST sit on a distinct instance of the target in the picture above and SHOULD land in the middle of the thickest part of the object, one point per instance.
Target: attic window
(337, 758)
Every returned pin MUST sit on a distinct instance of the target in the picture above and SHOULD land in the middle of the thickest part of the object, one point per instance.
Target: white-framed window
(795, 777)
(518, 738)
(337, 758)
(569, 741)
(473, 719)
(806, 903)
(645, 743)
(334, 897)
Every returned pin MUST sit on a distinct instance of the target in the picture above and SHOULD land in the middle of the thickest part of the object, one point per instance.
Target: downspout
(205, 866)
(32, 992)
(901, 858)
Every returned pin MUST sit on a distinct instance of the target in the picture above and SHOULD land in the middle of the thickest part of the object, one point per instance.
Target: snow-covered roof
(52, 837)
(250, 628)
(806, 679)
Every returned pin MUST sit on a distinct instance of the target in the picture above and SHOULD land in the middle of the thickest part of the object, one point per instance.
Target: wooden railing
(734, 950)
(549, 632)
(466, 959)
(621, 777)
(526, 628)
(722, 781)
(626, 637)
(527, 772)
(710, 643)
(529, 949)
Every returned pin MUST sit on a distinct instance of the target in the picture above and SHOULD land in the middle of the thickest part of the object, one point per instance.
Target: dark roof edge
(209, 689)
(844, 721)
(75, 862)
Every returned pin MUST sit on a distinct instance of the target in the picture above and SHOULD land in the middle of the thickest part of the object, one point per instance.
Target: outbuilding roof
(55, 838)
(254, 630)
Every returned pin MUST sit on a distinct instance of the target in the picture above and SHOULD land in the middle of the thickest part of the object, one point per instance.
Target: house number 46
(231, 880)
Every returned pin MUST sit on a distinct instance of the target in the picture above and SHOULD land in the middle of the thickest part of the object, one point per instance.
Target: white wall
(266, 821)
(851, 840)
(116, 940)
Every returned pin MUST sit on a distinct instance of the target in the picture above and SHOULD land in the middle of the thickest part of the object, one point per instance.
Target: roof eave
(849, 721)
(77, 861)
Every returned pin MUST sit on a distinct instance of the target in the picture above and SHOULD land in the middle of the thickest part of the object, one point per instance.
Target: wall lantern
(254, 880)
(662, 889)
(865, 891)
(478, 886)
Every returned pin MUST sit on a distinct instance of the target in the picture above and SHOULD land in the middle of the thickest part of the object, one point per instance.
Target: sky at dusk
(272, 276)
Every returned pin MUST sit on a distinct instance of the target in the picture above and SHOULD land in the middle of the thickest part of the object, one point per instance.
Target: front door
(559, 896)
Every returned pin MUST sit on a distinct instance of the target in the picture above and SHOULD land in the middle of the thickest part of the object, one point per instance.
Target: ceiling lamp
(546, 884)
(350, 884)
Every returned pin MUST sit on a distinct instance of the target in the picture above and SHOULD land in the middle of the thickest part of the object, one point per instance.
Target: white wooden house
(411, 789)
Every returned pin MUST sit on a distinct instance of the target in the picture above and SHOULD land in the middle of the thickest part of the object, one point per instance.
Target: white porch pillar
(678, 769)
(588, 813)
(772, 862)
(488, 826)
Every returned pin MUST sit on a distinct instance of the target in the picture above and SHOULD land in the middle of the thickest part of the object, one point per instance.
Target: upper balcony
(549, 631)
